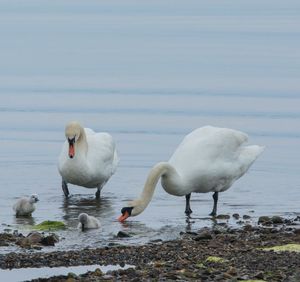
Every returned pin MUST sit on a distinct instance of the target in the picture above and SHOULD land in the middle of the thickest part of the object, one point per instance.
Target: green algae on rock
(284, 248)
(49, 225)
(215, 259)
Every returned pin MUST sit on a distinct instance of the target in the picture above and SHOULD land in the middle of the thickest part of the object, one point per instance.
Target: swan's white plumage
(25, 206)
(95, 159)
(209, 159)
(88, 221)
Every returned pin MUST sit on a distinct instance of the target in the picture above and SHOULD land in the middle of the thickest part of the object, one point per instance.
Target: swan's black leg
(98, 193)
(215, 197)
(64, 187)
(188, 210)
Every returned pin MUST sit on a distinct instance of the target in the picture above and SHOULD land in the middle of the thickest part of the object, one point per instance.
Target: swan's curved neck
(161, 169)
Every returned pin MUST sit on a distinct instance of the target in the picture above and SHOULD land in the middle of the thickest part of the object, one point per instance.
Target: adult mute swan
(25, 206)
(209, 159)
(87, 158)
(87, 222)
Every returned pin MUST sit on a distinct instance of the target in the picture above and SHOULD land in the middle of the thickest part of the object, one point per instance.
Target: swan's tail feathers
(248, 155)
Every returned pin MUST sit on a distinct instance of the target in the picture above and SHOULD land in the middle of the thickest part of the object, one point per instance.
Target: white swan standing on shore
(87, 158)
(87, 222)
(209, 159)
(25, 206)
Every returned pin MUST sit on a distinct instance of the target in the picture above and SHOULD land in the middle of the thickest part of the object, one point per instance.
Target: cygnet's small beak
(123, 217)
(36, 199)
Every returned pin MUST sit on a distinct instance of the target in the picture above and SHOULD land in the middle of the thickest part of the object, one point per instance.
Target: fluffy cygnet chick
(87, 222)
(25, 206)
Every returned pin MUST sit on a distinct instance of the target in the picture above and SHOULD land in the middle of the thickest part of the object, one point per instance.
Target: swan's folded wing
(89, 131)
(206, 147)
(102, 153)
(209, 144)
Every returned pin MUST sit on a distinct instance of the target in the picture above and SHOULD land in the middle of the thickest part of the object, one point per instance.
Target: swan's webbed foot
(65, 189)
(188, 209)
(97, 194)
(214, 211)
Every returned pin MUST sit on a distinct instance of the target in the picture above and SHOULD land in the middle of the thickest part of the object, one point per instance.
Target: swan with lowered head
(25, 206)
(209, 159)
(87, 159)
(87, 222)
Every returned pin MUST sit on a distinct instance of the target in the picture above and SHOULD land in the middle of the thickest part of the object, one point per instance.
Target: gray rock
(34, 237)
(204, 235)
(223, 216)
(122, 234)
(264, 220)
(277, 220)
(72, 275)
(50, 240)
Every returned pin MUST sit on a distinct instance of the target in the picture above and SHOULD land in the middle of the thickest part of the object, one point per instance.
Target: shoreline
(211, 254)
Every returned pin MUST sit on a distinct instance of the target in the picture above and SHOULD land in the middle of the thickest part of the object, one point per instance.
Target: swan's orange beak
(123, 217)
(71, 151)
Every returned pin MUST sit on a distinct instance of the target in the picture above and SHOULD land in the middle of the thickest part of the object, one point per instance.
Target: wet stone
(191, 233)
(204, 235)
(248, 227)
(297, 231)
(245, 216)
(122, 234)
(223, 216)
(232, 271)
(222, 224)
(277, 220)
(236, 216)
(6, 238)
(98, 272)
(227, 275)
(34, 237)
(50, 240)
(72, 275)
(156, 241)
(259, 275)
(35, 240)
(264, 220)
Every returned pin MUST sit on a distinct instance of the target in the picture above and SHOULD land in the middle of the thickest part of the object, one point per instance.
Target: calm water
(26, 274)
(148, 72)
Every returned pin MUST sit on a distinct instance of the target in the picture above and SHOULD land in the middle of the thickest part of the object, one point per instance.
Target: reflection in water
(45, 272)
(24, 221)
(211, 222)
(76, 204)
(189, 223)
